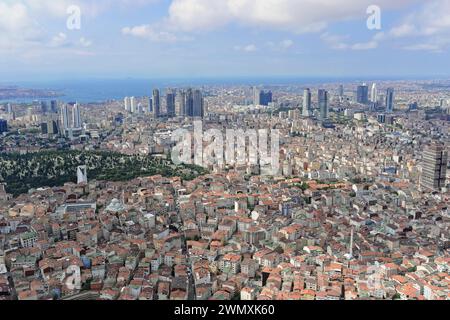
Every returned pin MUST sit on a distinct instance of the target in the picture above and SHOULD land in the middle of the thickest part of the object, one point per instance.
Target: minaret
(351, 244)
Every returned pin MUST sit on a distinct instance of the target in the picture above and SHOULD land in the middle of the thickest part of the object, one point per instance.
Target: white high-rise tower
(76, 116)
(127, 104)
(133, 104)
(64, 116)
(374, 93)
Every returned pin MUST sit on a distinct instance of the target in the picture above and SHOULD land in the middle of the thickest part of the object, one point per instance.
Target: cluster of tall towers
(191, 103)
(10, 112)
(70, 116)
(323, 102)
(261, 97)
(64, 119)
(362, 96)
(184, 103)
(52, 108)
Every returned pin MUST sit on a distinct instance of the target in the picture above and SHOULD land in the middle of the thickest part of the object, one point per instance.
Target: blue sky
(223, 38)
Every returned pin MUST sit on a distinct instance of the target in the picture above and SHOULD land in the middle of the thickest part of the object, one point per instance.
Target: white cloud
(247, 48)
(423, 46)
(286, 44)
(50, 7)
(435, 44)
(151, 33)
(13, 17)
(274, 46)
(298, 16)
(365, 45)
(280, 46)
(194, 15)
(84, 42)
(84, 53)
(60, 40)
(430, 26)
(17, 28)
(338, 42)
(89, 8)
(22, 21)
(403, 30)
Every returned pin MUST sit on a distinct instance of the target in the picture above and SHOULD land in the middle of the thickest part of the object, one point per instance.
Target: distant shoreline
(17, 93)
(95, 91)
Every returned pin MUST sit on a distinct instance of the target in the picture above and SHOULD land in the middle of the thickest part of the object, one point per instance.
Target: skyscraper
(44, 107)
(266, 98)
(44, 127)
(181, 103)
(133, 106)
(434, 167)
(127, 104)
(76, 116)
(10, 111)
(49, 127)
(341, 91)
(362, 94)
(150, 105)
(306, 112)
(64, 117)
(52, 127)
(261, 97)
(256, 96)
(170, 99)
(390, 100)
(198, 104)
(374, 93)
(189, 103)
(54, 106)
(156, 103)
(323, 104)
(3, 126)
(30, 114)
(9, 108)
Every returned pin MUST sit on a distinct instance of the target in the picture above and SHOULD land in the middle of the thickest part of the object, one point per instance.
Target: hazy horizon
(239, 79)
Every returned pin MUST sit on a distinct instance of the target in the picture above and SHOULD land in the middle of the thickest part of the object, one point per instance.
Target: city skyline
(224, 151)
(188, 39)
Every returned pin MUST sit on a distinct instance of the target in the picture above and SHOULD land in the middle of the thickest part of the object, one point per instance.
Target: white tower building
(82, 175)
(64, 117)
(127, 104)
(133, 104)
(374, 93)
(76, 116)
